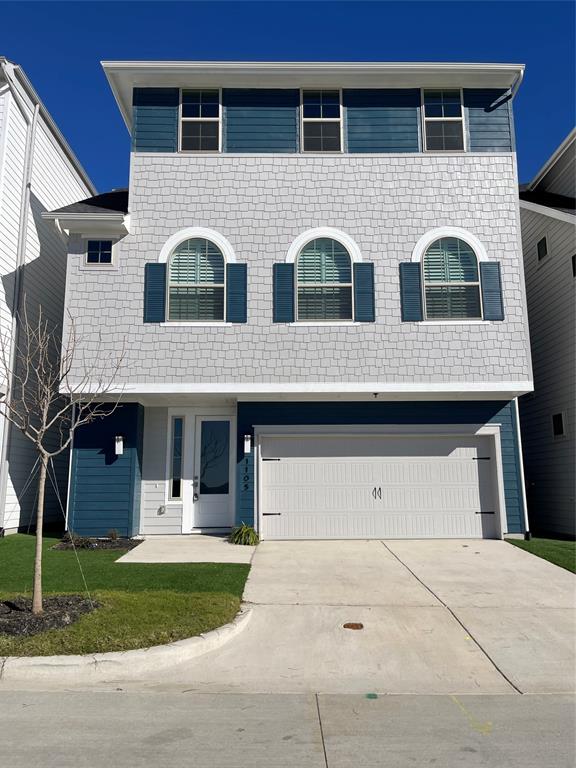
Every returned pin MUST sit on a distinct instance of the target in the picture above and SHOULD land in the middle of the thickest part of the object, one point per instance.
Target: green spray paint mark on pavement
(371, 695)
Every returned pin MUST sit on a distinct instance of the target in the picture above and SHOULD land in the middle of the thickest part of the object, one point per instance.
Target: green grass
(557, 551)
(142, 604)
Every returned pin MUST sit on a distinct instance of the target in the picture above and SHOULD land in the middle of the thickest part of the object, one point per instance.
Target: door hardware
(481, 458)
(270, 459)
(271, 514)
(480, 512)
(377, 492)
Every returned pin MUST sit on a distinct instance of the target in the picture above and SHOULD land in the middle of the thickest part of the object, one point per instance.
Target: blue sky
(65, 41)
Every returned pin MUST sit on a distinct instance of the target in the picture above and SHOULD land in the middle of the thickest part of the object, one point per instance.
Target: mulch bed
(93, 543)
(17, 619)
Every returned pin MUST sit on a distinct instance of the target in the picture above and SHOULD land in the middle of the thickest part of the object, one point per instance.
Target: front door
(212, 494)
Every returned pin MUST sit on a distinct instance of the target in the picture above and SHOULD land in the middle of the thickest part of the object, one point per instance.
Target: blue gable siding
(260, 120)
(489, 127)
(382, 120)
(464, 412)
(155, 119)
(105, 488)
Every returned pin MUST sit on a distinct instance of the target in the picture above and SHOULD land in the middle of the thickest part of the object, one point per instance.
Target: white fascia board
(493, 390)
(552, 213)
(78, 223)
(125, 75)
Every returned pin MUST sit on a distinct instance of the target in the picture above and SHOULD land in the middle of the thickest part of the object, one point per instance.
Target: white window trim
(462, 119)
(168, 248)
(321, 120)
(198, 120)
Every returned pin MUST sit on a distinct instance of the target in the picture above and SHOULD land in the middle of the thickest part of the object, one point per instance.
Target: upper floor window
(196, 281)
(443, 120)
(200, 123)
(99, 252)
(321, 121)
(324, 281)
(451, 281)
(542, 248)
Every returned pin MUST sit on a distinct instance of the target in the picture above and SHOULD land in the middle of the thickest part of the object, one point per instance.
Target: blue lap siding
(465, 412)
(382, 120)
(489, 114)
(105, 488)
(260, 120)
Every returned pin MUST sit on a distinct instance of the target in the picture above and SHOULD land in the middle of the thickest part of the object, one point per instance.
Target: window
(542, 248)
(196, 281)
(99, 252)
(558, 425)
(200, 131)
(574, 266)
(324, 281)
(176, 457)
(443, 121)
(451, 281)
(321, 121)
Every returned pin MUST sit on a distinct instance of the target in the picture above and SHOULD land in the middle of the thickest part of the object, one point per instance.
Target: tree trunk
(37, 590)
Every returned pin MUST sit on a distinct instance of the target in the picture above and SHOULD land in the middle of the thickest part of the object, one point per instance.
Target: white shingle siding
(549, 461)
(261, 204)
(54, 183)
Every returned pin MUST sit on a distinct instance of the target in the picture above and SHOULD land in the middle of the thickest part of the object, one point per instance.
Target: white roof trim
(554, 157)
(125, 75)
(552, 213)
(202, 232)
(462, 234)
(320, 232)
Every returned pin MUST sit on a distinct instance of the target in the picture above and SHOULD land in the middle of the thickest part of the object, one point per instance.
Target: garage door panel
(408, 487)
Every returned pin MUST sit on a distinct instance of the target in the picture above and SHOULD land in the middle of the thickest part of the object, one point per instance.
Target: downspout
(527, 534)
(31, 123)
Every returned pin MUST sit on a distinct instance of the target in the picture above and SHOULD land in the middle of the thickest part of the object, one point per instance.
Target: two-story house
(38, 172)
(548, 415)
(315, 283)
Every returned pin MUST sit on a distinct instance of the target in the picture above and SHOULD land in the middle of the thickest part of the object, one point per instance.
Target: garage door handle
(479, 512)
(271, 514)
(481, 458)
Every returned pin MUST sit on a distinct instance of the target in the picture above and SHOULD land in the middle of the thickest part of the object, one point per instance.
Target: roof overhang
(552, 213)
(553, 159)
(112, 224)
(123, 76)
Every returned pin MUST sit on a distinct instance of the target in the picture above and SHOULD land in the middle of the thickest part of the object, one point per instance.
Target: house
(315, 287)
(38, 172)
(548, 219)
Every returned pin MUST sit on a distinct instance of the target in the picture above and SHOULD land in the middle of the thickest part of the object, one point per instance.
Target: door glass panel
(214, 457)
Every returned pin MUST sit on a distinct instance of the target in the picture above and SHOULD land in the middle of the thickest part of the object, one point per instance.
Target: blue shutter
(283, 279)
(411, 291)
(154, 293)
(155, 119)
(490, 279)
(236, 293)
(364, 292)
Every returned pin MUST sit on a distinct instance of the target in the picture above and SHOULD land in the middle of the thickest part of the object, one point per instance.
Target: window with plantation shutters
(451, 281)
(324, 281)
(196, 279)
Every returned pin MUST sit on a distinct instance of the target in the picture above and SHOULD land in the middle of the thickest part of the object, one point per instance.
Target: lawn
(557, 551)
(141, 604)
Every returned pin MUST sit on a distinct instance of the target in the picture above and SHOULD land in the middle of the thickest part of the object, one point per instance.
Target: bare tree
(44, 403)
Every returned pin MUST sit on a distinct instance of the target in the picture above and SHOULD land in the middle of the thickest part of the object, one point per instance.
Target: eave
(113, 224)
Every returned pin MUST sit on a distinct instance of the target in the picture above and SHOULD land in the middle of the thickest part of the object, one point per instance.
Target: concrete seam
(321, 729)
(451, 612)
(3, 661)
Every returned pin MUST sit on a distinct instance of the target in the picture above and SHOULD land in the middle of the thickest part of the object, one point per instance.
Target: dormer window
(200, 121)
(443, 121)
(321, 121)
(99, 252)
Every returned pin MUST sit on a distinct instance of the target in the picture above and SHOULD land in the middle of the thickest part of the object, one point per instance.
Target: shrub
(113, 534)
(244, 534)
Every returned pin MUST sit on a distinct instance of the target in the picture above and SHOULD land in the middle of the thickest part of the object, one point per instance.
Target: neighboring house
(317, 281)
(38, 171)
(548, 216)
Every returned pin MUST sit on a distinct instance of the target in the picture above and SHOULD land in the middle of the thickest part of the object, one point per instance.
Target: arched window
(451, 280)
(196, 281)
(324, 281)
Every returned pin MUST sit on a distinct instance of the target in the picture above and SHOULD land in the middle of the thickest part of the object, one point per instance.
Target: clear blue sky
(65, 41)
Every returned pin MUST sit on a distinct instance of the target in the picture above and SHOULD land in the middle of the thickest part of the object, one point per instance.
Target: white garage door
(376, 486)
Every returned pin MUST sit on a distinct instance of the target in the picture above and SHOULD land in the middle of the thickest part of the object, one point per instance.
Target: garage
(357, 486)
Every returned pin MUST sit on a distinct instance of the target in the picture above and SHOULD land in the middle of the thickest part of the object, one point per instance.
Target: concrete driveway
(439, 617)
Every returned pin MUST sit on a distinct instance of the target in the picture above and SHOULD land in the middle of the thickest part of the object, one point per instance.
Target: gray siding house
(315, 285)
(548, 216)
(38, 172)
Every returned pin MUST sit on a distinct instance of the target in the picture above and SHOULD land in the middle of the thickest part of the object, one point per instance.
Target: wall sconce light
(247, 443)
(119, 445)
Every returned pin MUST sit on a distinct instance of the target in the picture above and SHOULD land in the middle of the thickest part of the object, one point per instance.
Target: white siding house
(548, 216)
(38, 171)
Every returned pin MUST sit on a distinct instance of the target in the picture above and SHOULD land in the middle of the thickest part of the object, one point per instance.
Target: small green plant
(245, 535)
(113, 534)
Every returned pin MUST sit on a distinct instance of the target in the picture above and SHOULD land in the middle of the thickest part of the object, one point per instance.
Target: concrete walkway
(195, 548)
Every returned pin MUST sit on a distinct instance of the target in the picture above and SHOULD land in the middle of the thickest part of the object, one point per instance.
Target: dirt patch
(81, 542)
(17, 619)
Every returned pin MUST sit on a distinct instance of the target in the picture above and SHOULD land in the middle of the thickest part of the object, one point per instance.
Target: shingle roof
(115, 201)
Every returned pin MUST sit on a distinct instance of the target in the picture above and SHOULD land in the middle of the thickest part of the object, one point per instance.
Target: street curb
(120, 665)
